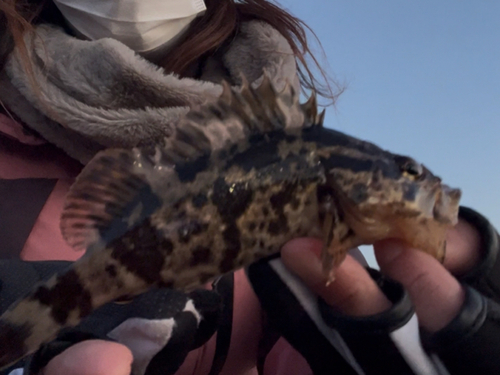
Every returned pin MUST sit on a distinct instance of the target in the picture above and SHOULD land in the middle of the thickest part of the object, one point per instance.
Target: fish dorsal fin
(320, 119)
(239, 113)
(103, 193)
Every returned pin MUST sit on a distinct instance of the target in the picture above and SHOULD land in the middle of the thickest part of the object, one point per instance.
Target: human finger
(92, 357)
(463, 252)
(353, 292)
(435, 293)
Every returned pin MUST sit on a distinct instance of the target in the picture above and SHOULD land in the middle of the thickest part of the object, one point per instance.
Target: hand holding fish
(436, 294)
(375, 313)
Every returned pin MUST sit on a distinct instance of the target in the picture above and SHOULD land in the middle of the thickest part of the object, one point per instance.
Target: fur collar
(92, 95)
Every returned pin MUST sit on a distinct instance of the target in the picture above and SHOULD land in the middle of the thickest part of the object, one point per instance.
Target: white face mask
(142, 25)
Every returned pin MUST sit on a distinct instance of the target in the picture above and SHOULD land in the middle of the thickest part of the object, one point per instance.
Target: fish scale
(236, 180)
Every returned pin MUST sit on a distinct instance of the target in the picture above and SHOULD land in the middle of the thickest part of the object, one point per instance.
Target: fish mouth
(439, 204)
(446, 205)
(440, 213)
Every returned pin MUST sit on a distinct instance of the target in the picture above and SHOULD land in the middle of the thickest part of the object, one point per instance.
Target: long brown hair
(16, 18)
(205, 35)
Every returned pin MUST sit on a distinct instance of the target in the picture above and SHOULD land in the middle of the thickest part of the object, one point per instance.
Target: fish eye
(413, 169)
(410, 167)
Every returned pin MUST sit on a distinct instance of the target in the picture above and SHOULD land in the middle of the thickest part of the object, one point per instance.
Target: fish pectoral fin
(109, 196)
(332, 254)
(330, 261)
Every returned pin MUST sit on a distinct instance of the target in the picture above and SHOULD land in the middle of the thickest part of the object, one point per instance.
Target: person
(77, 77)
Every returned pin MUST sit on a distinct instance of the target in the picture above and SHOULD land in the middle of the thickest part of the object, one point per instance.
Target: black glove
(335, 343)
(470, 344)
(485, 277)
(188, 320)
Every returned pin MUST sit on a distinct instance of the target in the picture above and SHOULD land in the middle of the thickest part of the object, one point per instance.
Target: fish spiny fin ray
(310, 108)
(238, 114)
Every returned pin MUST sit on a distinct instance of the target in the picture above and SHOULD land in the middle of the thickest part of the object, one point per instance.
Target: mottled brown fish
(237, 180)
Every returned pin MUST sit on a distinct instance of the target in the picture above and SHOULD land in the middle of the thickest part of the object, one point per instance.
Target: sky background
(422, 78)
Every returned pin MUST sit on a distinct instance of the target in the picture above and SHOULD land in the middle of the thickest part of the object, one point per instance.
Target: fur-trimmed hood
(92, 95)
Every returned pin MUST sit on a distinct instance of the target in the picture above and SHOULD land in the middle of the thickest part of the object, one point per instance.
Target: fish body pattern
(237, 180)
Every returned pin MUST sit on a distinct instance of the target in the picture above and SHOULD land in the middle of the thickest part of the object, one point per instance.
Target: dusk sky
(422, 78)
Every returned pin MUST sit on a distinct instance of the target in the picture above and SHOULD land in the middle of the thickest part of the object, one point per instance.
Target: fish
(236, 180)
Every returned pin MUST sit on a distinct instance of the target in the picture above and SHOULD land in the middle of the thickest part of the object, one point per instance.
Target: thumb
(435, 293)
(92, 357)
